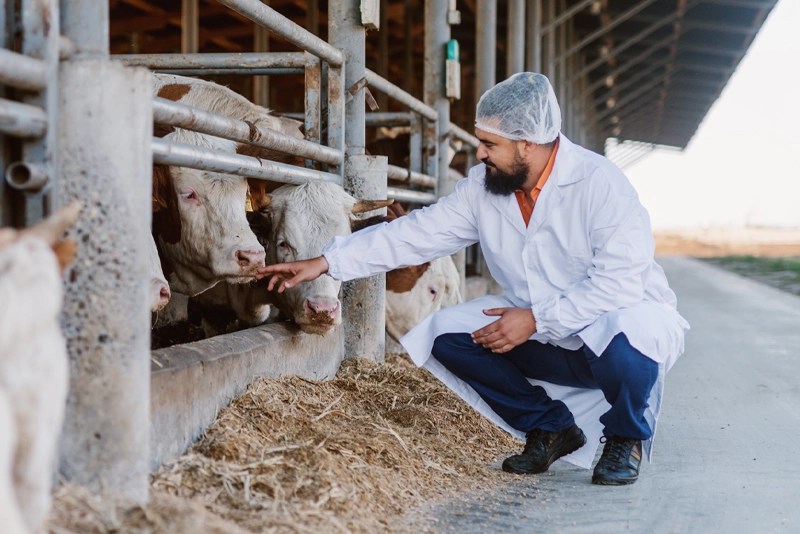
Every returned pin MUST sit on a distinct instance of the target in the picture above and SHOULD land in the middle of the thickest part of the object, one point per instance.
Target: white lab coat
(584, 265)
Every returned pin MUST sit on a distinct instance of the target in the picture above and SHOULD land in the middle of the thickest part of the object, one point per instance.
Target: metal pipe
(22, 72)
(183, 155)
(401, 96)
(183, 116)
(549, 62)
(463, 135)
(22, 120)
(404, 195)
(566, 15)
(27, 176)
(619, 19)
(297, 35)
(533, 20)
(190, 26)
(515, 39)
(277, 71)
(412, 177)
(313, 103)
(389, 118)
(261, 60)
(485, 45)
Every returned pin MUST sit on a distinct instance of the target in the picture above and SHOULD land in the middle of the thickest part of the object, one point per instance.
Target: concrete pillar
(365, 177)
(105, 128)
(364, 312)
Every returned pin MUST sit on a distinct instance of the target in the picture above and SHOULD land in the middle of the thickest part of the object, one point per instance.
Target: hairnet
(523, 107)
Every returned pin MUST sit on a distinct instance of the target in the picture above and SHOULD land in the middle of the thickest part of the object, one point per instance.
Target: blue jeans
(624, 375)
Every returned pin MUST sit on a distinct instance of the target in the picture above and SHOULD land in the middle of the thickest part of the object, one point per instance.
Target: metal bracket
(368, 98)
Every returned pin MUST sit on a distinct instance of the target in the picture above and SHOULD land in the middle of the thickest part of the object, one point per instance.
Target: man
(587, 327)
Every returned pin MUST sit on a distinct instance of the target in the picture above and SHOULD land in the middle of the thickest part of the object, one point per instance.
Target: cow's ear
(166, 217)
(362, 206)
(258, 191)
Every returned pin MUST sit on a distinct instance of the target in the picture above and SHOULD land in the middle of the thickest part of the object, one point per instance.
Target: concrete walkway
(723, 459)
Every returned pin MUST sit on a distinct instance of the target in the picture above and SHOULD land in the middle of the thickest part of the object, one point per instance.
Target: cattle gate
(76, 122)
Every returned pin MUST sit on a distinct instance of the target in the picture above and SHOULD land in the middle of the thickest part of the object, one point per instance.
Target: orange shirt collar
(526, 204)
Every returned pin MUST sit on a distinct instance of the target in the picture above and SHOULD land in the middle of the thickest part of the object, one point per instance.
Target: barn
(77, 117)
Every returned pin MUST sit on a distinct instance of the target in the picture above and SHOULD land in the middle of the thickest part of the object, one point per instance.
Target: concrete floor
(723, 457)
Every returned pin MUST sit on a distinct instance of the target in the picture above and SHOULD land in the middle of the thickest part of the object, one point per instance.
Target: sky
(742, 167)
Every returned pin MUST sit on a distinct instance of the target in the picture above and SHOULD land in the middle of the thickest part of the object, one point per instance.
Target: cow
(33, 367)
(293, 222)
(158, 289)
(199, 218)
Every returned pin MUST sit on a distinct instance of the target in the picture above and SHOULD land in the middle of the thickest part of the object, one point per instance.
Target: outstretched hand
(291, 274)
(514, 327)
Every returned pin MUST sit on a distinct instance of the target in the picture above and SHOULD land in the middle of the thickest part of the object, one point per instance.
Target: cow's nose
(322, 305)
(164, 295)
(248, 258)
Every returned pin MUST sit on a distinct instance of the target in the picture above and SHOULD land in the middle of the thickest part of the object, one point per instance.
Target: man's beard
(503, 183)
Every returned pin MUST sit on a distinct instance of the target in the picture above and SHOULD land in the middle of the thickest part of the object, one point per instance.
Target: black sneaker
(619, 463)
(542, 448)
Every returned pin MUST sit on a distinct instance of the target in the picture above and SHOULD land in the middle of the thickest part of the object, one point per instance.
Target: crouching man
(577, 347)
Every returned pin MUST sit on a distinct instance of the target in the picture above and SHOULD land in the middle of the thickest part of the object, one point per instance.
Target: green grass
(783, 273)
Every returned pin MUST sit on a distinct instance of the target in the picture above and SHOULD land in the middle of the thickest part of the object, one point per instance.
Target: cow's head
(298, 222)
(158, 290)
(200, 225)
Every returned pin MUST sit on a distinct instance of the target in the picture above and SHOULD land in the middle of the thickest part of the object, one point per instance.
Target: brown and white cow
(33, 367)
(294, 222)
(199, 216)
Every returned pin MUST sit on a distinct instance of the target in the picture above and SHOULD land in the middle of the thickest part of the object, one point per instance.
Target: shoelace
(616, 450)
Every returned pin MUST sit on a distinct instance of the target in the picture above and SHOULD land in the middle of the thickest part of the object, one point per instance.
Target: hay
(351, 454)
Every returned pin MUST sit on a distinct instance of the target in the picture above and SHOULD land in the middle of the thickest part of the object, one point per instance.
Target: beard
(502, 183)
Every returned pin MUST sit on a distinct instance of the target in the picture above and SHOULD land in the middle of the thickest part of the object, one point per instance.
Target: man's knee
(622, 360)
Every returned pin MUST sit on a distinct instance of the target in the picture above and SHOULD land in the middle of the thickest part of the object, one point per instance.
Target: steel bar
(183, 155)
(515, 38)
(22, 120)
(617, 20)
(177, 114)
(389, 118)
(336, 113)
(405, 195)
(25, 176)
(485, 45)
(262, 60)
(401, 96)
(21, 71)
(412, 177)
(190, 26)
(461, 134)
(276, 71)
(566, 15)
(313, 103)
(533, 46)
(299, 36)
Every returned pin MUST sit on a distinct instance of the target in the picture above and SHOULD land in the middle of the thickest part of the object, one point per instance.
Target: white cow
(294, 222)
(199, 216)
(413, 293)
(33, 368)
(158, 289)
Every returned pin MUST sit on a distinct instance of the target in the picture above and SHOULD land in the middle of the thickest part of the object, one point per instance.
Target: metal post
(104, 132)
(533, 48)
(364, 176)
(548, 62)
(485, 46)
(515, 41)
(190, 26)
(261, 83)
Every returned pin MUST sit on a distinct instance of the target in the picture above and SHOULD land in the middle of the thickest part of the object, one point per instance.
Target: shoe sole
(551, 460)
(613, 481)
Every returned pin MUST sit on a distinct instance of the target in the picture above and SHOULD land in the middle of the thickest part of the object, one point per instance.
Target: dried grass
(293, 455)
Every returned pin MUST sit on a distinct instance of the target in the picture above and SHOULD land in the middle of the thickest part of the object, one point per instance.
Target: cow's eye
(189, 195)
(282, 244)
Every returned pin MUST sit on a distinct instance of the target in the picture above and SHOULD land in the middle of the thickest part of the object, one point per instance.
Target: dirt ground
(715, 242)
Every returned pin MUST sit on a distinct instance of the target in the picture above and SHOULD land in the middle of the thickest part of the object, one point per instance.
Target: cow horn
(362, 206)
(53, 227)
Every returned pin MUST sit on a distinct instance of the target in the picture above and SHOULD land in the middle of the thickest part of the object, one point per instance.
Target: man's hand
(513, 328)
(291, 274)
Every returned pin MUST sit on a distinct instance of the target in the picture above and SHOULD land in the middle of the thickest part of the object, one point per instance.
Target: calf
(199, 218)
(33, 367)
